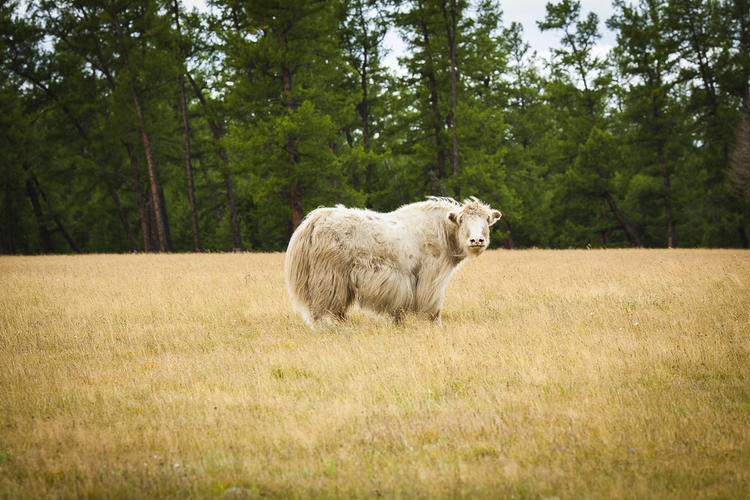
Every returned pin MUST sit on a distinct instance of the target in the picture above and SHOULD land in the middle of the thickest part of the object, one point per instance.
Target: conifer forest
(151, 126)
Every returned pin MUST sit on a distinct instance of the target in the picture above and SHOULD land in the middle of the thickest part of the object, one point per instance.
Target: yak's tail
(315, 275)
(296, 268)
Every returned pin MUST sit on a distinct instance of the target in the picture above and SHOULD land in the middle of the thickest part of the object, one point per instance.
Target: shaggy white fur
(387, 262)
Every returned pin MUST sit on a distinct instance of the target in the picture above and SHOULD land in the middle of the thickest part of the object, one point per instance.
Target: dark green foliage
(291, 107)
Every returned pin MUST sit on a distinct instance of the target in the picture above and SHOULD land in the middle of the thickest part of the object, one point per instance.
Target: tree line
(145, 126)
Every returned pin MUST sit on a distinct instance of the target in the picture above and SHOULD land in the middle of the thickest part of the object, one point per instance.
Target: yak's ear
(494, 217)
(453, 217)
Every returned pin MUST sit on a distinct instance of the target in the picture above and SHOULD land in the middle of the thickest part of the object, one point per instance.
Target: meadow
(569, 374)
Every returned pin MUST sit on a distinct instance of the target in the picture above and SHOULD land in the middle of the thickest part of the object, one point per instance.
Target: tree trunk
(233, 214)
(217, 133)
(509, 243)
(66, 235)
(142, 215)
(296, 205)
(438, 126)
(142, 211)
(165, 218)
(295, 194)
(739, 160)
(233, 221)
(703, 66)
(37, 207)
(364, 111)
(153, 234)
(578, 57)
(9, 219)
(635, 241)
(189, 167)
(55, 217)
(186, 133)
(212, 196)
(123, 217)
(740, 8)
(160, 227)
(365, 115)
(671, 234)
(605, 231)
(451, 32)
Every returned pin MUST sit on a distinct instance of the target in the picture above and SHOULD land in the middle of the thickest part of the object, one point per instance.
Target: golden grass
(617, 373)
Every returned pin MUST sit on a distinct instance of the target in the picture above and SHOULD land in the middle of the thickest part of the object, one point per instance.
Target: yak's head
(473, 219)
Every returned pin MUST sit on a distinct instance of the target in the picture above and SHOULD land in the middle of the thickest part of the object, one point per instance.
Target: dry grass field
(570, 374)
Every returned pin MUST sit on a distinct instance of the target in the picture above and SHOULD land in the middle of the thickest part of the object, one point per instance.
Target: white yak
(387, 262)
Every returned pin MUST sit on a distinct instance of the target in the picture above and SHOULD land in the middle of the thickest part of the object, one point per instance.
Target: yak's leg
(430, 290)
(398, 317)
(329, 295)
(331, 315)
(435, 318)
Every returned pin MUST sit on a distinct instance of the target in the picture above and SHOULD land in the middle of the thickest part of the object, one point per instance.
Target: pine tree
(285, 61)
(646, 56)
(584, 117)
(362, 32)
